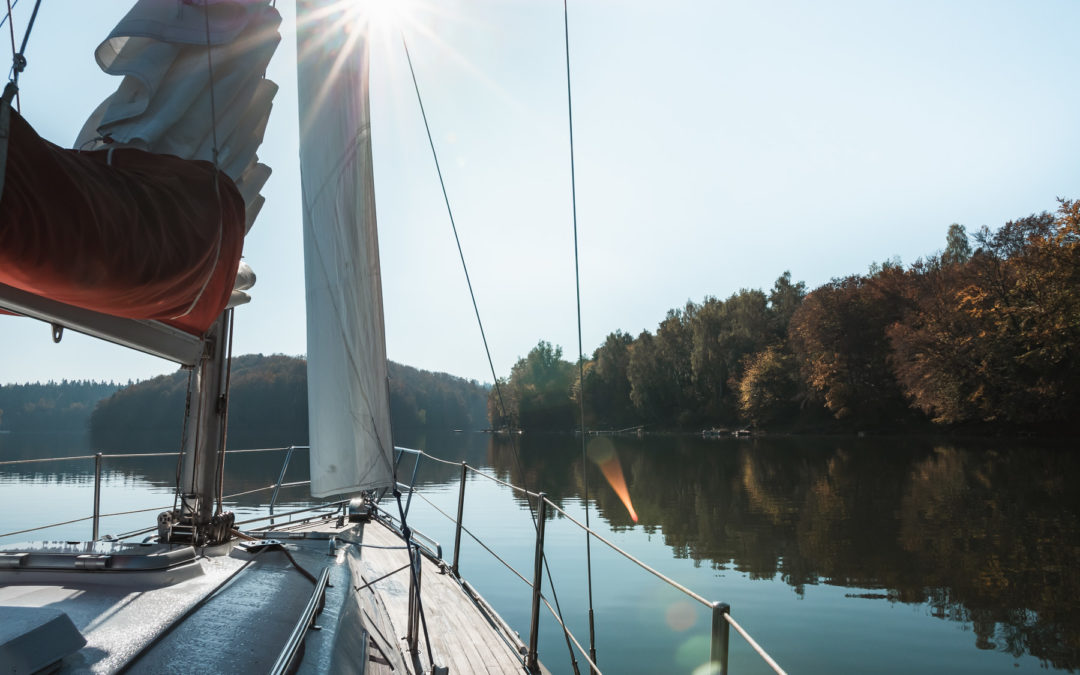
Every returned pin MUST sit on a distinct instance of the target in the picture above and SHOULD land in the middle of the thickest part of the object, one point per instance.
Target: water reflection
(982, 534)
(985, 534)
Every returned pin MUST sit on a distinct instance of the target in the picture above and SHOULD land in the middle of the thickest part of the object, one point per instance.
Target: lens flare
(692, 656)
(681, 616)
(602, 451)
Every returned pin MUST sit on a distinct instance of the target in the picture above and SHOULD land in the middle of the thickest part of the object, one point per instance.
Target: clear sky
(719, 143)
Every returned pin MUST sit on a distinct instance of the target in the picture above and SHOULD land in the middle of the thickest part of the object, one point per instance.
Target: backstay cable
(581, 350)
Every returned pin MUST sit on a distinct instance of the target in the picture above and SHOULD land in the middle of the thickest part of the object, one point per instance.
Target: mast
(204, 435)
(194, 88)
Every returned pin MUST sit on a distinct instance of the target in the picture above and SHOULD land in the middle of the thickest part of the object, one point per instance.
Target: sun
(392, 14)
(388, 16)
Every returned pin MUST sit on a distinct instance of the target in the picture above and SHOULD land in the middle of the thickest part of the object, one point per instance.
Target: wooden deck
(464, 638)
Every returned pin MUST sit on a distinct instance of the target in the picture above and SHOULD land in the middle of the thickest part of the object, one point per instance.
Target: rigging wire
(581, 350)
(11, 29)
(183, 438)
(5, 18)
(480, 323)
(213, 102)
(26, 38)
(224, 402)
(18, 59)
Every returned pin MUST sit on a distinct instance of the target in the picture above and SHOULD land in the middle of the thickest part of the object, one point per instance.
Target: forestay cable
(480, 323)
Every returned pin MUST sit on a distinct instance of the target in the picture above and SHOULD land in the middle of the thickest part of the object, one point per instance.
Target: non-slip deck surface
(242, 627)
(233, 610)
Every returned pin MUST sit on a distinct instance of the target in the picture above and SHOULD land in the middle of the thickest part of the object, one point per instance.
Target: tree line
(268, 394)
(51, 406)
(978, 335)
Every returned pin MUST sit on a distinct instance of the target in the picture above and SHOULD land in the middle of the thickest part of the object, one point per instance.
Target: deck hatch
(33, 639)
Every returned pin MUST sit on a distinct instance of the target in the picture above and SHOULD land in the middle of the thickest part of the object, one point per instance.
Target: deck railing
(99, 461)
(721, 612)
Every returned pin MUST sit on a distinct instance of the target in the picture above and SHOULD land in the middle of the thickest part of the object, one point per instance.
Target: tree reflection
(985, 536)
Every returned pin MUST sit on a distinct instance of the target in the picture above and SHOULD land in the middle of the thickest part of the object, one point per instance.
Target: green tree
(784, 298)
(957, 246)
(724, 334)
(652, 391)
(538, 392)
(607, 385)
(660, 371)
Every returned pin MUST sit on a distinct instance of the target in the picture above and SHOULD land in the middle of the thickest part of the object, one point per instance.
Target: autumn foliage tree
(990, 335)
(839, 338)
(995, 337)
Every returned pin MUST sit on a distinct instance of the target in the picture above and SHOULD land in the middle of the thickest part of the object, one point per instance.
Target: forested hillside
(269, 395)
(989, 336)
(51, 406)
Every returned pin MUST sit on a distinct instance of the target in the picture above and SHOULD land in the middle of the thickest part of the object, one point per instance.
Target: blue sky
(718, 144)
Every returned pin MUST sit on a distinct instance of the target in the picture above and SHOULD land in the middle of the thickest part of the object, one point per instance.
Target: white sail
(348, 400)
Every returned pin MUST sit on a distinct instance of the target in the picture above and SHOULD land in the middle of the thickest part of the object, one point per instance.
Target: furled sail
(143, 220)
(125, 233)
(169, 104)
(348, 399)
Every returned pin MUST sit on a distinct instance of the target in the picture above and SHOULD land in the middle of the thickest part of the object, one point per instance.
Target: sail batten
(348, 400)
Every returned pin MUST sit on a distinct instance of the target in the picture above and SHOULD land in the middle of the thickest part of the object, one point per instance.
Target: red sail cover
(123, 232)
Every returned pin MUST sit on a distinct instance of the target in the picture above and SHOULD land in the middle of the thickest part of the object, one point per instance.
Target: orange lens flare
(602, 451)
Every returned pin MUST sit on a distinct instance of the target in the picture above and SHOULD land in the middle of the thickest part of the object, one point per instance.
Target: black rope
(581, 350)
(375, 581)
(487, 350)
(299, 568)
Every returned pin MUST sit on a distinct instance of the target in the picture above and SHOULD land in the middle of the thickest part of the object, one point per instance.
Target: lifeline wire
(581, 351)
(480, 323)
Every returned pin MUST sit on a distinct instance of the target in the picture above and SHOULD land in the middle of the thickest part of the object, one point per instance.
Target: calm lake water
(837, 554)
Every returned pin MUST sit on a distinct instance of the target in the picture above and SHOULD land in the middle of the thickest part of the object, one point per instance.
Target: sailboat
(144, 249)
(135, 236)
